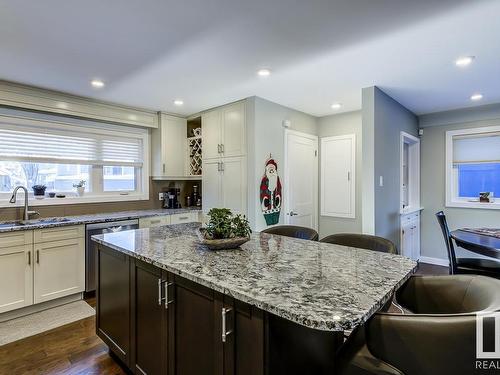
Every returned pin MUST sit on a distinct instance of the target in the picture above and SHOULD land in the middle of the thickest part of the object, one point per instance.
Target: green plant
(80, 184)
(223, 224)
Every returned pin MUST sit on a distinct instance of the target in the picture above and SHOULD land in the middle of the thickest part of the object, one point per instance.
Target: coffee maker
(171, 198)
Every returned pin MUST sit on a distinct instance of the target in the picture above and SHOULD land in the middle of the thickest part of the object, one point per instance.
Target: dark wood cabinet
(149, 319)
(113, 302)
(158, 323)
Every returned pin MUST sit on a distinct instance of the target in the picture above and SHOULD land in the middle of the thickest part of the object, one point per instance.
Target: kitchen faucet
(27, 212)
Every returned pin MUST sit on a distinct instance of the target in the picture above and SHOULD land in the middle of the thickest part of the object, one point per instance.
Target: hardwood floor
(75, 348)
(70, 349)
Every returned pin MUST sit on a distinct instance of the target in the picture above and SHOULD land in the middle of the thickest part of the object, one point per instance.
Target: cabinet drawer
(19, 238)
(151, 222)
(59, 233)
(187, 217)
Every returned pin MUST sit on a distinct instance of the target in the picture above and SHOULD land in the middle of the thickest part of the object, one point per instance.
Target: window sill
(467, 204)
(74, 200)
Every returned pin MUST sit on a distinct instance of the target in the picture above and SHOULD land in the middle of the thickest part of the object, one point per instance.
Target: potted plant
(39, 191)
(80, 187)
(225, 230)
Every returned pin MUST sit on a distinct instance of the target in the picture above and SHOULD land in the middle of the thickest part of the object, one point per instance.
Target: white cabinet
(41, 265)
(59, 269)
(16, 273)
(338, 172)
(186, 217)
(169, 148)
(151, 222)
(224, 132)
(224, 184)
(224, 160)
(410, 235)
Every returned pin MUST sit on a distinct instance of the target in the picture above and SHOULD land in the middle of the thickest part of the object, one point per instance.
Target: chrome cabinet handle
(293, 213)
(222, 148)
(160, 298)
(222, 166)
(225, 332)
(38, 256)
(29, 258)
(218, 149)
(163, 167)
(167, 301)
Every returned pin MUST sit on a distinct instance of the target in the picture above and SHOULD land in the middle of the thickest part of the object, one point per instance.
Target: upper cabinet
(168, 144)
(224, 132)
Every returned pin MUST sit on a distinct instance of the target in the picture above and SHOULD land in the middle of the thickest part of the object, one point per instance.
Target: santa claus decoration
(270, 193)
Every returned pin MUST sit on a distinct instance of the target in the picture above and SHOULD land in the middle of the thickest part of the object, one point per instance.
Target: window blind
(483, 148)
(69, 146)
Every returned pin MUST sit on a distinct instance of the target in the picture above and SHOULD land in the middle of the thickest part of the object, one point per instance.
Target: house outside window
(473, 167)
(111, 159)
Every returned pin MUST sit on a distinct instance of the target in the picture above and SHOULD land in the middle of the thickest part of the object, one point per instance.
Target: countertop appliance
(91, 246)
(171, 198)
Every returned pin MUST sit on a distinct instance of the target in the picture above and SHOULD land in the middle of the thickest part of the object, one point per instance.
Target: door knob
(293, 213)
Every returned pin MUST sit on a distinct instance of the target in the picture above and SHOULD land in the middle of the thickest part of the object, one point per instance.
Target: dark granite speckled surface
(318, 285)
(50, 222)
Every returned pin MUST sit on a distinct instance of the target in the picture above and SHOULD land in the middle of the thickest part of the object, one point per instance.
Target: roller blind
(483, 148)
(70, 145)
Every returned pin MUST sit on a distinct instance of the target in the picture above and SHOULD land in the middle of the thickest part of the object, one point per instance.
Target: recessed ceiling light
(178, 102)
(264, 72)
(476, 97)
(97, 83)
(336, 106)
(464, 61)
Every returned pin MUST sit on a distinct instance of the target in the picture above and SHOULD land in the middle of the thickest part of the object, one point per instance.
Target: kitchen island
(278, 305)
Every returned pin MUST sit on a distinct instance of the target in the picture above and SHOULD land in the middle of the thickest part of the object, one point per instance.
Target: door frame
(286, 176)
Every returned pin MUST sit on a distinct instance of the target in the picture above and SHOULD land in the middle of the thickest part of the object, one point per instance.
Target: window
(112, 161)
(473, 166)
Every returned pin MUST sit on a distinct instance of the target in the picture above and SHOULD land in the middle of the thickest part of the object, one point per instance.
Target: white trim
(435, 261)
(450, 172)
(352, 176)
(33, 98)
(414, 177)
(286, 175)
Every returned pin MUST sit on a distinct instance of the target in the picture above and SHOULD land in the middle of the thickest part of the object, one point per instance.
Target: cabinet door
(59, 269)
(243, 345)
(151, 222)
(16, 286)
(113, 301)
(233, 184)
(416, 239)
(233, 130)
(406, 238)
(211, 185)
(188, 217)
(173, 145)
(211, 133)
(149, 317)
(194, 327)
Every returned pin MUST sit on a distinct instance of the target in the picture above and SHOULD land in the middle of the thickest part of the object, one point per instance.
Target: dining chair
(437, 337)
(294, 231)
(363, 241)
(479, 266)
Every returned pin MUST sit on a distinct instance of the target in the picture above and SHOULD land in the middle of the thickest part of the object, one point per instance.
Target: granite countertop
(49, 222)
(318, 285)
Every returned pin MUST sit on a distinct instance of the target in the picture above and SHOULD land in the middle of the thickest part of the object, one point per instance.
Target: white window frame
(452, 199)
(142, 192)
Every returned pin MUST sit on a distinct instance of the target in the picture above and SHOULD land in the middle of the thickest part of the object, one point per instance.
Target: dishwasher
(91, 246)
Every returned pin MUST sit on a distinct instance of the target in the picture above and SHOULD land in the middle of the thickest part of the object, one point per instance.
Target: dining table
(481, 241)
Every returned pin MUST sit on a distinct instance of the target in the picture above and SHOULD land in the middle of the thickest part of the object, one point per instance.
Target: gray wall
(433, 179)
(342, 124)
(266, 135)
(389, 119)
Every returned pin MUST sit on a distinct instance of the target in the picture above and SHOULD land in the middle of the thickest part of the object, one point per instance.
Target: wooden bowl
(221, 244)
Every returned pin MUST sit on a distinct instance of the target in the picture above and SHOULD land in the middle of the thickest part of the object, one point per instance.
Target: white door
(173, 145)
(233, 184)
(301, 179)
(233, 130)
(211, 134)
(59, 269)
(16, 283)
(211, 186)
(337, 176)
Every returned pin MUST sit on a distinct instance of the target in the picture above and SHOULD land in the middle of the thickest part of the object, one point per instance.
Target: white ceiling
(206, 52)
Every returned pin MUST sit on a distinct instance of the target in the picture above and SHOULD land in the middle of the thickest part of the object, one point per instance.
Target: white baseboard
(435, 261)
